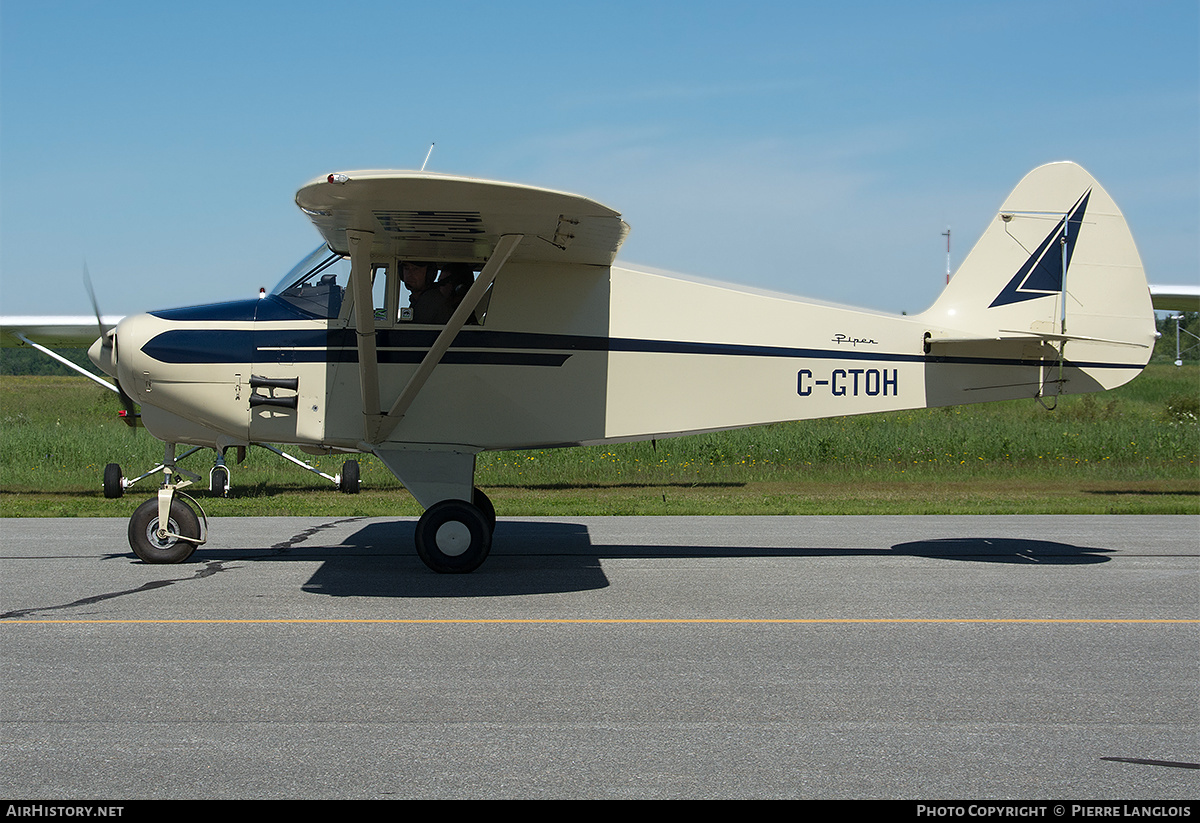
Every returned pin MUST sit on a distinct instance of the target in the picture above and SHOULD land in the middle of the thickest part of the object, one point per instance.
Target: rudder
(1053, 295)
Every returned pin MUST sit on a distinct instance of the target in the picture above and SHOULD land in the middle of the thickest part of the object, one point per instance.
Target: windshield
(316, 284)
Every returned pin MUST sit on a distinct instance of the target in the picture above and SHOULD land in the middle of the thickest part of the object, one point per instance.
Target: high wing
(1175, 297)
(425, 216)
(377, 216)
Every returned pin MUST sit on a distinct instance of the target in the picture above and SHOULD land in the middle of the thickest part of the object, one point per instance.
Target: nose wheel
(173, 542)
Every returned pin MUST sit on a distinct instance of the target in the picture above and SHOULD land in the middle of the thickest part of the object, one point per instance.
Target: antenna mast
(946, 234)
(423, 165)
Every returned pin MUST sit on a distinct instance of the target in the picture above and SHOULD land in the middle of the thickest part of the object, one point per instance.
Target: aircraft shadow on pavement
(547, 557)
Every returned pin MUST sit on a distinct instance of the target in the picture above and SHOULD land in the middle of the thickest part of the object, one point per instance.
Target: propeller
(108, 340)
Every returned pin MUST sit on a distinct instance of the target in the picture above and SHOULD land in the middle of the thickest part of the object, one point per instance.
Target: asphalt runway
(918, 658)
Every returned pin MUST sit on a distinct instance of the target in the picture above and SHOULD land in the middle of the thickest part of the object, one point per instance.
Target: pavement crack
(1177, 764)
(284, 545)
(210, 568)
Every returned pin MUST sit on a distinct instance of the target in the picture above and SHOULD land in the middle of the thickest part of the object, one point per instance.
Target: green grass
(1133, 450)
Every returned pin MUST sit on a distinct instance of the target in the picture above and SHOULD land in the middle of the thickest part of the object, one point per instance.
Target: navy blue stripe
(212, 346)
(511, 348)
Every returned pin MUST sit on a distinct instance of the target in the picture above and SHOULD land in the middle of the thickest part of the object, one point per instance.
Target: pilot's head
(417, 275)
(456, 279)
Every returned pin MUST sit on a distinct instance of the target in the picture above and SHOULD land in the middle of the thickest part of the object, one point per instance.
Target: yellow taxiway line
(614, 620)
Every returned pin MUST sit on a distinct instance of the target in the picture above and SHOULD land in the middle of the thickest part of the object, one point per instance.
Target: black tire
(484, 504)
(348, 484)
(113, 487)
(453, 537)
(219, 482)
(144, 540)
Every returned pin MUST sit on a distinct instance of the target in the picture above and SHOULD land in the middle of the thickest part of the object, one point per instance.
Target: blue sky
(814, 148)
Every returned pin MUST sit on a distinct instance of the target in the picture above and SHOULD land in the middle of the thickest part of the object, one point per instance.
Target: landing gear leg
(454, 535)
(113, 471)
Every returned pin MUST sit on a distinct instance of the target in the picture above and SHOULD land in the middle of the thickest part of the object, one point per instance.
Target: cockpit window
(317, 283)
(317, 286)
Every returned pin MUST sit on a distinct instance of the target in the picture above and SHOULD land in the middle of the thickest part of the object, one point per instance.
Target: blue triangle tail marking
(1042, 274)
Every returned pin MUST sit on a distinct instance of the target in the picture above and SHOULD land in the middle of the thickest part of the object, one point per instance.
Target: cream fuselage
(585, 356)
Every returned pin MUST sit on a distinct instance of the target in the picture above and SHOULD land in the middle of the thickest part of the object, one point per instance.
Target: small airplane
(1176, 297)
(533, 337)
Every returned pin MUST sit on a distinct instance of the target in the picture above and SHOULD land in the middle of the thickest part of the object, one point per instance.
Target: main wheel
(143, 532)
(453, 537)
(348, 483)
(113, 487)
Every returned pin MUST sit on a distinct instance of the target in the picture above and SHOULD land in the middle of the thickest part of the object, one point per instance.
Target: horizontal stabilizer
(1012, 334)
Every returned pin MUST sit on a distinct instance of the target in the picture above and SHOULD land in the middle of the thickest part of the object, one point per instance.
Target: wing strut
(364, 324)
(504, 249)
(65, 361)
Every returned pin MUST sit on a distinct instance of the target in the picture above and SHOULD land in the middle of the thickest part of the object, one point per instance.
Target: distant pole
(1178, 354)
(946, 234)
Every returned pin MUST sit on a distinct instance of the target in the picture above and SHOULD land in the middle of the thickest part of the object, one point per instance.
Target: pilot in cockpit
(454, 282)
(427, 302)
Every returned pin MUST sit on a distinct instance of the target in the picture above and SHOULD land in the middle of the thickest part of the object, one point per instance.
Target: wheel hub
(159, 536)
(453, 538)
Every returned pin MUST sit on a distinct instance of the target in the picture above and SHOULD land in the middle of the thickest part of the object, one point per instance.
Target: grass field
(1134, 450)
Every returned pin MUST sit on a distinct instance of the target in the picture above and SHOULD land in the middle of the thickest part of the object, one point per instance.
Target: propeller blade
(129, 412)
(106, 341)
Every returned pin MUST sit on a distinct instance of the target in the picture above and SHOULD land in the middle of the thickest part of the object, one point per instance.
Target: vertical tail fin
(1054, 290)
